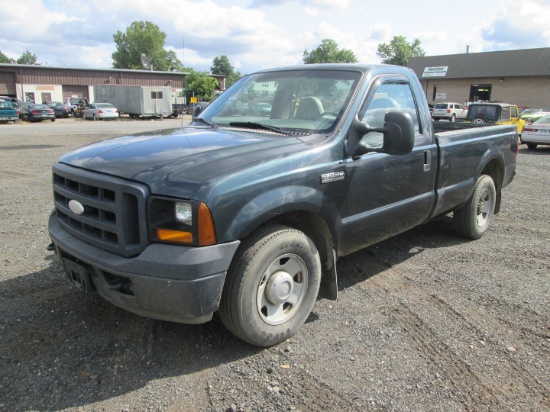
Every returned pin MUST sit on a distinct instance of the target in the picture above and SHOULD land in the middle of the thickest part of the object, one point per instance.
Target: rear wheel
(531, 146)
(472, 220)
(453, 117)
(271, 286)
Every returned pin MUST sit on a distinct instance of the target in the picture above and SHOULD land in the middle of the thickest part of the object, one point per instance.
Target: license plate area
(78, 275)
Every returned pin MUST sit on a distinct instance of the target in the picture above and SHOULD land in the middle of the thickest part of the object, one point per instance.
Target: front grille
(114, 217)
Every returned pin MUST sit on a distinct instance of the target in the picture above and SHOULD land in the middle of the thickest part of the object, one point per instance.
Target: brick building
(520, 77)
(46, 83)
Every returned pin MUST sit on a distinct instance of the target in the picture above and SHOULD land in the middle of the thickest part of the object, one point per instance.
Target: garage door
(74, 91)
(7, 83)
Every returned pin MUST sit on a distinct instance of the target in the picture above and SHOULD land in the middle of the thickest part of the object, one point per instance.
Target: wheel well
(494, 170)
(315, 227)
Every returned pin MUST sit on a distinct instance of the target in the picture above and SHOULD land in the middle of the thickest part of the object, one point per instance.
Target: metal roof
(510, 63)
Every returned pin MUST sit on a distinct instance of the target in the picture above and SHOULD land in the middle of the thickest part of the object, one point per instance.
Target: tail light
(35, 112)
(100, 111)
(529, 129)
(448, 110)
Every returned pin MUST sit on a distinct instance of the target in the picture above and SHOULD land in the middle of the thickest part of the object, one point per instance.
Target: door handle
(427, 160)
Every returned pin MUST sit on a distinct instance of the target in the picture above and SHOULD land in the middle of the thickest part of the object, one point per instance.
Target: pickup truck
(246, 215)
(7, 112)
(495, 113)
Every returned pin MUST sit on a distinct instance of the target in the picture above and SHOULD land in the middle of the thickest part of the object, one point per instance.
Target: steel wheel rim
(282, 289)
(484, 208)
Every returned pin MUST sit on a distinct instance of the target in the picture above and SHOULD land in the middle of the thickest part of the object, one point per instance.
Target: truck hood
(175, 162)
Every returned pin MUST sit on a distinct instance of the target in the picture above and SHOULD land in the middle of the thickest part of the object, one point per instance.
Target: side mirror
(398, 131)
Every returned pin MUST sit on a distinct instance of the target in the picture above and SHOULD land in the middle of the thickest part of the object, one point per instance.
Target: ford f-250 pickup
(245, 212)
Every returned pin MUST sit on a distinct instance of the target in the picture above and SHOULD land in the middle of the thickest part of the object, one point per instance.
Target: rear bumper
(166, 282)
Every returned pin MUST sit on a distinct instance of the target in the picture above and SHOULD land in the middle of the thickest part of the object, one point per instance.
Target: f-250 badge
(332, 177)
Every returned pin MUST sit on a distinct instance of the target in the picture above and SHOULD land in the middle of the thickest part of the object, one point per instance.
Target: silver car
(99, 111)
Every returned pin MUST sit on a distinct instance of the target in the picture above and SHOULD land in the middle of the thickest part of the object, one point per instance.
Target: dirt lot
(425, 321)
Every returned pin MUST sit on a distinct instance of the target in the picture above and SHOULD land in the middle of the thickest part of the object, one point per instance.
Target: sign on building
(437, 71)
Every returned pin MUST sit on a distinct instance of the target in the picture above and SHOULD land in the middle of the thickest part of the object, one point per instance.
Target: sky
(259, 34)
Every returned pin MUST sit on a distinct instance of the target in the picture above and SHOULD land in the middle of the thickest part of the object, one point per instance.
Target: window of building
(156, 95)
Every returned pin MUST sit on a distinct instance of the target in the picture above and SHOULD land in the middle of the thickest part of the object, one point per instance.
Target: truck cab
(495, 113)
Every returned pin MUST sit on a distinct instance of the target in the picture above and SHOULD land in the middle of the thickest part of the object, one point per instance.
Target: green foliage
(143, 37)
(398, 51)
(4, 58)
(28, 58)
(201, 85)
(328, 52)
(221, 65)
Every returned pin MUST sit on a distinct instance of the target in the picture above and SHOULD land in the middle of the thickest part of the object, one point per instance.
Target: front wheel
(472, 220)
(531, 146)
(271, 286)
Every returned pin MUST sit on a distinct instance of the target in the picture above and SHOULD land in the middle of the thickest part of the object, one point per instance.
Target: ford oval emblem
(76, 207)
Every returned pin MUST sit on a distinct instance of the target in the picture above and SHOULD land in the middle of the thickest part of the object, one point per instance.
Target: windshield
(298, 101)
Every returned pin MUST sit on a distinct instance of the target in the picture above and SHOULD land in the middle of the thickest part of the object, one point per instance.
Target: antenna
(146, 62)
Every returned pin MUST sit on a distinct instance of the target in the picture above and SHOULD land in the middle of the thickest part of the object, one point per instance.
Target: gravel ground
(425, 321)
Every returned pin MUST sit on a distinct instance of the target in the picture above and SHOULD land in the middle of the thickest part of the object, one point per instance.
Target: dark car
(39, 112)
(196, 108)
(60, 109)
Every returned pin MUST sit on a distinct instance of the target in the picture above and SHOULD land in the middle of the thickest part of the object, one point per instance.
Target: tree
(201, 84)
(143, 37)
(4, 58)
(28, 58)
(221, 65)
(328, 52)
(398, 51)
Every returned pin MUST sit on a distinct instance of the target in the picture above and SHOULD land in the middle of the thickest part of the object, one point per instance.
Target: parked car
(532, 115)
(8, 113)
(260, 109)
(495, 113)
(100, 111)
(38, 112)
(449, 111)
(195, 108)
(60, 109)
(15, 102)
(536, 133)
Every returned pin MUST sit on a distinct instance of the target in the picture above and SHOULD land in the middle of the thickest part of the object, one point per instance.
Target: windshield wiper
(260, 126)
(206, 122)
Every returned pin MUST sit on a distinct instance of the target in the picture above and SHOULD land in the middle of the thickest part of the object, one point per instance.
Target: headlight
(184, 213)
(188, 223)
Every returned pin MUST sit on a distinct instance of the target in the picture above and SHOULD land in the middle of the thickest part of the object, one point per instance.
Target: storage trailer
(136, 101)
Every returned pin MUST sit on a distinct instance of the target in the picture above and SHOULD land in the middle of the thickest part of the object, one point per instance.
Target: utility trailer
(136, 101)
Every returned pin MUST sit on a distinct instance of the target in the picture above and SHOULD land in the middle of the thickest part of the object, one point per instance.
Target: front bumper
(166, 282)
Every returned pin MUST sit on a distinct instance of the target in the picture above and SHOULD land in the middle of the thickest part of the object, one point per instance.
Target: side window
(505, 114)
(388, 96)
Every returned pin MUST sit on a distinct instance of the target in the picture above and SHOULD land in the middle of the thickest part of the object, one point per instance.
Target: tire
(53, 120)
(473, 219)
(453, 117)
(531, 146)
(479, 120)
(271, 286)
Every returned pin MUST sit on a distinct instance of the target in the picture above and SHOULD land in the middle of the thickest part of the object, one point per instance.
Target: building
(520, 77)
(44, 83)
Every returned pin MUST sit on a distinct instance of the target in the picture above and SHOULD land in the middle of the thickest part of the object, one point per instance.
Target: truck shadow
(62, 349)
(374, 259)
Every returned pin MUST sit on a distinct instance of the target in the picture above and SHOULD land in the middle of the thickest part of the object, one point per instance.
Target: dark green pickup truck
(7, 112)
(245, 212)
